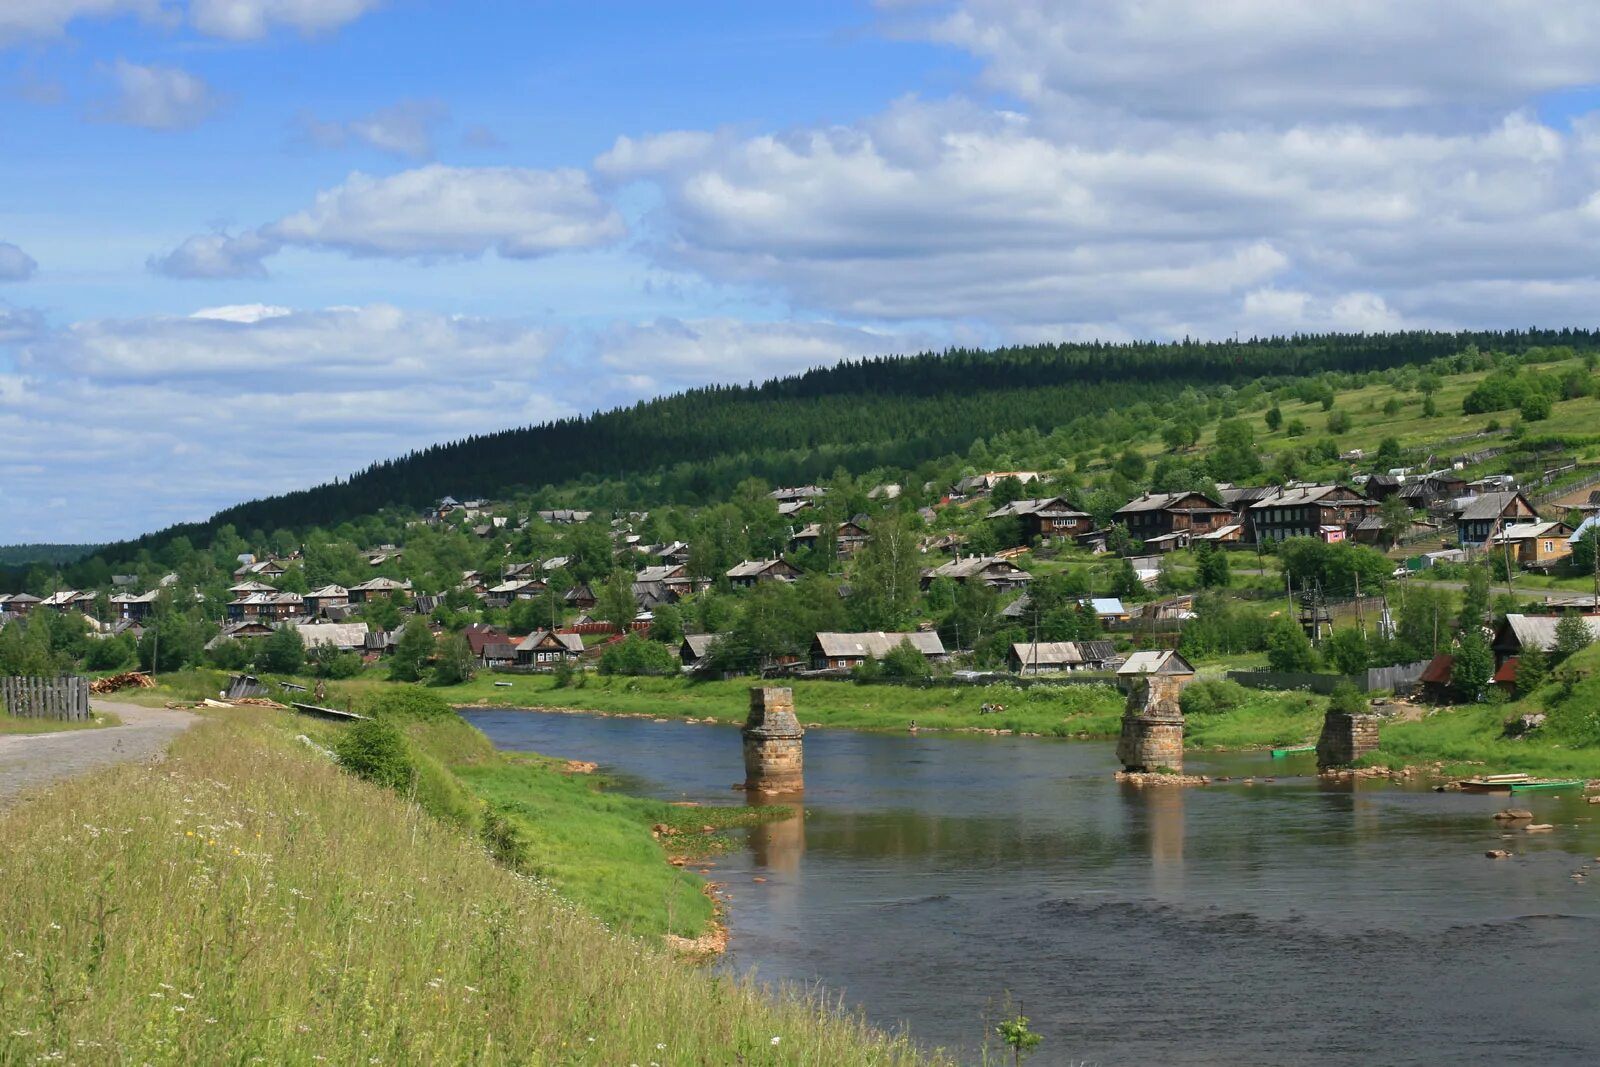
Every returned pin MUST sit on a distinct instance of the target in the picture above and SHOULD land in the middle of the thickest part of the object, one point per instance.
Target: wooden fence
(46, 698)
(1401, 678)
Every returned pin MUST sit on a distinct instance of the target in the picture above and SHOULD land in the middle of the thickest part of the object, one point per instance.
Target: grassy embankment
(248, 901)
(12, 725)
(1472, 738)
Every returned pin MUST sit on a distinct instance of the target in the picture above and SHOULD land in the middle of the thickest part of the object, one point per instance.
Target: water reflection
(1274, 922)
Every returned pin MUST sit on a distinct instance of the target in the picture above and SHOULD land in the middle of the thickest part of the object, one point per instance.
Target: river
(1283, 922)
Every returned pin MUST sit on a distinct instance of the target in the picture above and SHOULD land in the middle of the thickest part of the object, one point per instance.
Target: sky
(247, 246)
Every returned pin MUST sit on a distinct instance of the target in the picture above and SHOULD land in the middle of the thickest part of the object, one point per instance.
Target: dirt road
(29, 761)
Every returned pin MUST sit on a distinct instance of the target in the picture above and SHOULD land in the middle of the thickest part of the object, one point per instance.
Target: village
(1106, 587)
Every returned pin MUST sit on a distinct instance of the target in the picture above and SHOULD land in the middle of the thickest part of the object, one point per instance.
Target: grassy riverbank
(248, 901)
(557, 821)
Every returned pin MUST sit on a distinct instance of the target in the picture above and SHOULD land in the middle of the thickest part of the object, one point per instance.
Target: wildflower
(776, 1039)
(660, 1046)
(188, 833)
(25, 1033)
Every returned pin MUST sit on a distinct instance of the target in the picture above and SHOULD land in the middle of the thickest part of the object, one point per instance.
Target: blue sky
(248, 245)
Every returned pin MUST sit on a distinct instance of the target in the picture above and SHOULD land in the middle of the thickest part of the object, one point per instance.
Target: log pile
(128, 680)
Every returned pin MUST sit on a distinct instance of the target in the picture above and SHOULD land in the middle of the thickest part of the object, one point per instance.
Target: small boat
(1494, 783)
(1279, 753)
(1529, 787)
(317, 712)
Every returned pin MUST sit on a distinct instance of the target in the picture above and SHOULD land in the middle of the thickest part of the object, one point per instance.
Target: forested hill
(891, 411)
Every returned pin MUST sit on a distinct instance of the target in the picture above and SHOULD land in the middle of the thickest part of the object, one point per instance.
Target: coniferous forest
(694, 447)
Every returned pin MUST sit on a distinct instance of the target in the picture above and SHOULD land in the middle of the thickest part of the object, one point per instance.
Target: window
(1549, 546)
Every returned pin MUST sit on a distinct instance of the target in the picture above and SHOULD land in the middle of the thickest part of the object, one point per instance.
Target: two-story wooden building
(1050, 516)
(1329, 512)
(1487, 514)
(1157, 515)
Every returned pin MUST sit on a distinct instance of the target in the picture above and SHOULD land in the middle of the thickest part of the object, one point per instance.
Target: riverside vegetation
(249, 901)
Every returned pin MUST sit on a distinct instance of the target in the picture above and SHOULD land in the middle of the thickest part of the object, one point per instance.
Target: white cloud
(668, 354)
(256, 340)
(231, 19)
(238, 402)
(1279, 59)
(941, 211)
(217, 255)
(245, 19)
(158, 98)
(431, 211)
(406, 128)
(242, 312)
(15, 264)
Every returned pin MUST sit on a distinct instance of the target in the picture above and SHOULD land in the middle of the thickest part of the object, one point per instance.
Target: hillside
(891, 412)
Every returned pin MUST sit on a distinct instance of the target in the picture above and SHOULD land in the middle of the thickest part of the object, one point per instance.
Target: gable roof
(700, 644)
(1300, 495)
(1493, 505)
(1540, 630)
(875, 645)
(1159, 661)
(1063, 653)
(543, 638)
(1163, 501)
(975, 566)
(337, 634)
(1054, 507)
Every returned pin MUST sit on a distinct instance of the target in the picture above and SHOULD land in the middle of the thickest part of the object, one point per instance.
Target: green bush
(1347, 699)
(377, 751)
(904, 661)
(406, 702)
(637, 655)
(1212, 697)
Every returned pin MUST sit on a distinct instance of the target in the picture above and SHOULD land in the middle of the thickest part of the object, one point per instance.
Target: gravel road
(29, 761)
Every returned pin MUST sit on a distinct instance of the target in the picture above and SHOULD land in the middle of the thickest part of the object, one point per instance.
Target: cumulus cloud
(406, 128)
(15, 264)
(667, 354)
(158, 98)
(934, 211)
(1279, 59)
(431, 211)
(335, 343)
(238, 401)
(246, 19)
(230, 19)
(217, 255)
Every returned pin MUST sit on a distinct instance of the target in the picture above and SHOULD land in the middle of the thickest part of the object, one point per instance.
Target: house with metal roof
(840, 651)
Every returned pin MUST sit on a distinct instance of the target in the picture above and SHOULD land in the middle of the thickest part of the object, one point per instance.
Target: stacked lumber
(128, 680)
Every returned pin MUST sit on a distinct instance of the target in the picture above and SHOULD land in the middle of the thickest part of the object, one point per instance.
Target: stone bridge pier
(1345, 738)
(1152, 725)
(774, 760)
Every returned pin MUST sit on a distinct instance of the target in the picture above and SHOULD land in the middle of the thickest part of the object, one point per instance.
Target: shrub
(1347, 699)
(406, 702)
(904, 661)
(229, 655)
(1212, 697)
(111, 654)
(637, 655)
(377, 751)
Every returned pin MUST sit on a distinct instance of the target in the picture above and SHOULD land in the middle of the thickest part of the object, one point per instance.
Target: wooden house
(1488, 513)
(1046, 517)
(375, 589)
(750, 572)
(1536, 545)
(1307, 511)
(544, 648)
(837, 651)
(696, 647)
(318, 601)
(1155, 515)
(1058, 656)
(990, 570)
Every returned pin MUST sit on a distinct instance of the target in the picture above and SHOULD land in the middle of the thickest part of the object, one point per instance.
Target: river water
(1282, 922)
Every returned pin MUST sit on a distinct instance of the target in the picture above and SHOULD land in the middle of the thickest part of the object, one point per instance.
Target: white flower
(776, 1039)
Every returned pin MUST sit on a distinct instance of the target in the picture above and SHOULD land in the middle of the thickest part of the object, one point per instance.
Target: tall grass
(248, 902)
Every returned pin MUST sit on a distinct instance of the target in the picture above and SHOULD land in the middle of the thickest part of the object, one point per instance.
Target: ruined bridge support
(1345, 738)
(773, 756)
(1152, 724)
